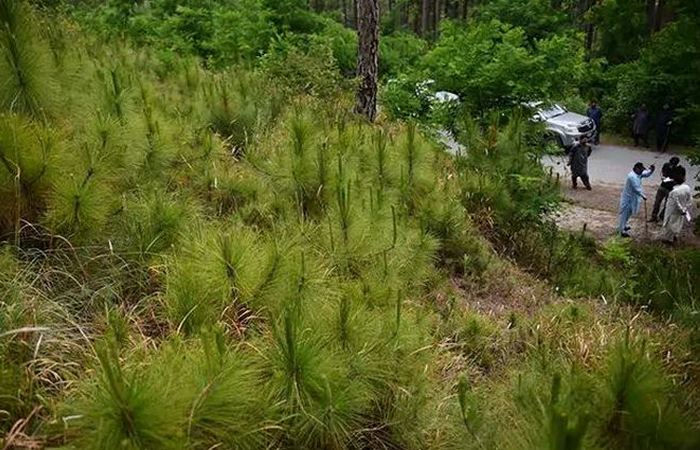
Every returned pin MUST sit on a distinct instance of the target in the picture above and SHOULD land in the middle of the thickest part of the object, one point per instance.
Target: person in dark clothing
(640, 126)
(664, 120)
(578, 160)
(596, 115)
(667, 184)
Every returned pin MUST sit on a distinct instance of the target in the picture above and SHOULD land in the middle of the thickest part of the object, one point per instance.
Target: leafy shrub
(491, 65)
(664, 73)
(343, 42)
(536, 17)
(399, 53)
(400, 99)
(310, 70)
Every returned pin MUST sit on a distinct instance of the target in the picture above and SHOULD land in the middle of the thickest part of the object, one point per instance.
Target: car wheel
(556, 139)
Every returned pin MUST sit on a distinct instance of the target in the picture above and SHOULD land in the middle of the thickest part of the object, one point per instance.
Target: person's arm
(675, 198)
(590, 150)
(647, 173)
(685, 206)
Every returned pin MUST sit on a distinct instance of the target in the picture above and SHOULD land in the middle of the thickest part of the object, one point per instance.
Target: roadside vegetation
(203, 253)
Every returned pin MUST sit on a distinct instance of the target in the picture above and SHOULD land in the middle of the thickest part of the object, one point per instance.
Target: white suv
(565, 127)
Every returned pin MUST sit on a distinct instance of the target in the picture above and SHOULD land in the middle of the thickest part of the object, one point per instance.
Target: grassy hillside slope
(197, 260)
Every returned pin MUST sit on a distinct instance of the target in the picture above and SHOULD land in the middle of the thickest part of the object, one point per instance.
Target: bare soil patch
(596, 210)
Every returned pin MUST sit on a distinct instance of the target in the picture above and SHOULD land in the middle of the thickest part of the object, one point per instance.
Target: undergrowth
(198, 259)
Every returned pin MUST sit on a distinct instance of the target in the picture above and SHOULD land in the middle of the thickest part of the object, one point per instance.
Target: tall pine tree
(367, 57)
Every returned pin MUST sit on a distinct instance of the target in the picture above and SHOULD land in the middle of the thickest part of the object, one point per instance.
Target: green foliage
(552, 401)
(124, 408)
(537, 18)
(665, 72)
(502, 181)
(232, 32)
(399, 97)
(27, 151)
(150, 223)
(308, 70)
(235, 245)
(293, 16)
(621, 40)
(343, 43)
(636, 418)
(490, 64)
(399, 53)
(240, 108)
(28, 85)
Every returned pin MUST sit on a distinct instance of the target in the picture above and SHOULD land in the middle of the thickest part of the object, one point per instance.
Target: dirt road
(597, 209)
(610, 165)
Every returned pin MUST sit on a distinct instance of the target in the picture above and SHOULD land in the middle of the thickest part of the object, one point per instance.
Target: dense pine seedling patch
(199, 259)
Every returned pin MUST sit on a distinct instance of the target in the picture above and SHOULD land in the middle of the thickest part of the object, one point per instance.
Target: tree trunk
(589, 27)
(405, 15)
(651, 14)
(454, 9)
(465, 9)
(355, 16)
(658, 15)
(424, 18)
(417, 19)
(367, 57)
(346, 20)
(590, 30)
(436, 18)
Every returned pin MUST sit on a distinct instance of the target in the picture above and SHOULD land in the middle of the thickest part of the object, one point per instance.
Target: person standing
(664, 120)
(578, 160)
(667, 184)
(640, 126)
(596, 115)
(677, 208)
(631, 194)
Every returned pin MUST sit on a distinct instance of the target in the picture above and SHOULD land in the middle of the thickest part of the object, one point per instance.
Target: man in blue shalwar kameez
(631, 195)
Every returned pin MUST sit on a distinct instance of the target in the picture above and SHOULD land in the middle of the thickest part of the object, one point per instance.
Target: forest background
(493, 53)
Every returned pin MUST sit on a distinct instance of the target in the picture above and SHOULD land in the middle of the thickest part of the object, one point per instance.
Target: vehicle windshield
(552, 111)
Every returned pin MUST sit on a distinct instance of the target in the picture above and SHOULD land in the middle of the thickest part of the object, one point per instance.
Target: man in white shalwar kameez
(678, 205)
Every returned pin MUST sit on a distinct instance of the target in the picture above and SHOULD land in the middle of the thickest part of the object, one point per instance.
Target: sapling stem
(393, 227)
(399, 296)
(386, 265)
